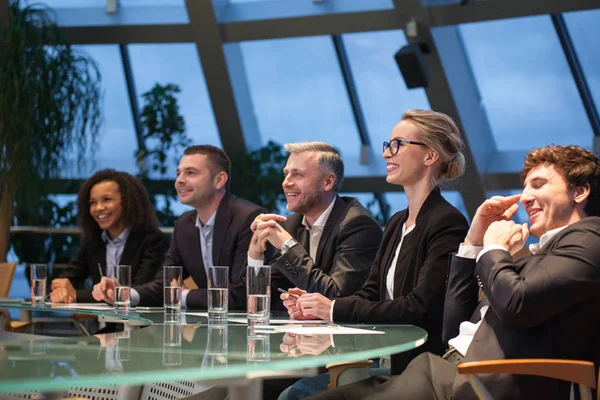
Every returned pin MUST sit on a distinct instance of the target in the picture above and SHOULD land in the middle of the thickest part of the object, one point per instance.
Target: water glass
(259, 345)
(217, 339)
(172, 276)
(258, 288)
(39, 275)
(218, 292)
(172, 335)
(122, 287)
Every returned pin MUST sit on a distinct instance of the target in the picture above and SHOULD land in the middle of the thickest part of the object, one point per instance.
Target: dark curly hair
(578, 166)
(137, 210)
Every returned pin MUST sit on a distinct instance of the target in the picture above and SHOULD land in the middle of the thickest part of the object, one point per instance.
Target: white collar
(534, 248)
(119, 239)
(210, 222)
(320, 222)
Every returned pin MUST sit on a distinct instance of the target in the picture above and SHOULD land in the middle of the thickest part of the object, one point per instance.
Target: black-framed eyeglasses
(395, 144)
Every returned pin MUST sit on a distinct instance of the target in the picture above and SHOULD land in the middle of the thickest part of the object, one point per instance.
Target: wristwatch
(288, 245)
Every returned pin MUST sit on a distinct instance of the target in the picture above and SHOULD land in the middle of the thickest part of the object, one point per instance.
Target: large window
(178, 64)
(584, 27)
(298, 93)
(381, 89)
(117, 142)
(526, 85)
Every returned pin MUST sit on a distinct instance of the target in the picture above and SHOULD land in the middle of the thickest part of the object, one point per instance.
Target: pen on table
(293, 296)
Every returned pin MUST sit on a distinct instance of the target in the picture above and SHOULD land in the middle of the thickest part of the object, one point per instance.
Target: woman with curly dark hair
(119, 226)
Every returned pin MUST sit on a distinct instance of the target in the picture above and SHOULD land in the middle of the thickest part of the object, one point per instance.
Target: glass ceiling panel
(525, 83)
(584, 28)
(298, 93)
(102, 3)
(117, 141)
(178, 64)
(381, 89)
(129, 12)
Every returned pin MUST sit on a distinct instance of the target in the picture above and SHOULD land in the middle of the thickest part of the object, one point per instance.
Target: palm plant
(49, 109)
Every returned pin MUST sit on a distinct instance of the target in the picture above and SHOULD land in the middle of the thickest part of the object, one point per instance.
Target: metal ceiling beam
(329, 24)
(359, 117)
(334, 23)
(452, 90)
(488, 10)
(126, 34)
(4, 12)
(205, 30)
(579, 77)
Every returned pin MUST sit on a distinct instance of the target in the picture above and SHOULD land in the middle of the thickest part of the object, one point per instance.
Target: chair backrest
(7, 272)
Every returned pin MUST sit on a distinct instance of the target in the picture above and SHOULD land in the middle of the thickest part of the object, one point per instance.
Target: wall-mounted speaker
(412, 65)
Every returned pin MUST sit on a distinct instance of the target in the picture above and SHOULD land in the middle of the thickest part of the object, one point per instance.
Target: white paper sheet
(82, 306)
(316, 330)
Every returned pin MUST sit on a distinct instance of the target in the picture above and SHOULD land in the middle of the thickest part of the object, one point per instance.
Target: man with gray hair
(328, 244)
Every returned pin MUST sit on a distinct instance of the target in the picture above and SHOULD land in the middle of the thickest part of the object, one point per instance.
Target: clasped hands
(492, 225)
(266, 228)
(297, 345)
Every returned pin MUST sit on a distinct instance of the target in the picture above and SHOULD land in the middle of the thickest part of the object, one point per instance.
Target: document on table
(240, 318)
(82, 306)
(316, 330)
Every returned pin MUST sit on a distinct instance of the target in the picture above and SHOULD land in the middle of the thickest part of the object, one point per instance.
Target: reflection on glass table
(189, 349)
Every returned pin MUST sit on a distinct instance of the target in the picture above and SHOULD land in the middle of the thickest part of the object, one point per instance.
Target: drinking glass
(172, 288)
(258, 288)
(39, 275)
(218, 292)
(122, 287)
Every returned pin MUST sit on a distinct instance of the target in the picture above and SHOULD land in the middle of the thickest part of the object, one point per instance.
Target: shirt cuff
(490, 248)
(184, 294)
(467, 251)
(253, 262)
(331, 313)
(134, 297)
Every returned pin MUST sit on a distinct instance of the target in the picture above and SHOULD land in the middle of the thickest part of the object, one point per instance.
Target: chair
(7, 273)
(580, 372)
(347, 372)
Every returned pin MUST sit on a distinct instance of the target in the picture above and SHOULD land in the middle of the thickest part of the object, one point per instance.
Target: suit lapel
(388, 256)
(98, 256)
(222, 221)
(303, 237)
(133, 242)
(337, 212)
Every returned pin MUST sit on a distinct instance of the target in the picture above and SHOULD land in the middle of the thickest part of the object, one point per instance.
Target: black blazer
(346, 251)
(420, 277)
(542, 306)
(231, 238)
(144, 251)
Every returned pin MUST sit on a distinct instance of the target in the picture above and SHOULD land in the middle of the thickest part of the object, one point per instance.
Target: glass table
(186, 348)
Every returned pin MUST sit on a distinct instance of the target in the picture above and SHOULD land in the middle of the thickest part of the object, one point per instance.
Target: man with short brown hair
(542, 306)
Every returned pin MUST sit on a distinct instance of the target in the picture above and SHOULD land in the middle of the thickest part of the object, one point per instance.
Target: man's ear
(220, 180)
(582, 193)
(329, 181)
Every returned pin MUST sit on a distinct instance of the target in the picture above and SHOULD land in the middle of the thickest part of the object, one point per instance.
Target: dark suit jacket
(420, 277)
(542, 306)
(231, 238)
(346, 250)
(144, 251)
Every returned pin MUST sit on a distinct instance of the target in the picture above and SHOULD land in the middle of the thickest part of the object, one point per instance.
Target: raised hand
(497, 208)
